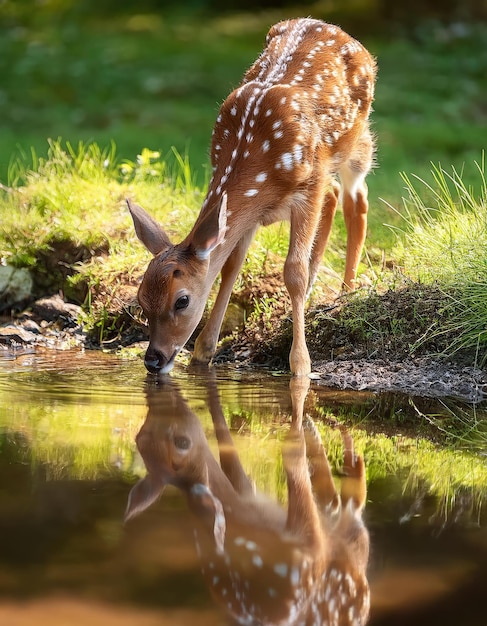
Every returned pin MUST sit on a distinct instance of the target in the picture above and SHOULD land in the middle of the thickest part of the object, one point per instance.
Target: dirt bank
(387, 342)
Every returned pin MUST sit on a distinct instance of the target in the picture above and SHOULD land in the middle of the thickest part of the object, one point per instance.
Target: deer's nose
(154, 360)
(157, 362)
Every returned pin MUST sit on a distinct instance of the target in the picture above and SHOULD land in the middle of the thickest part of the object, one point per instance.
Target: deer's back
(310, 90)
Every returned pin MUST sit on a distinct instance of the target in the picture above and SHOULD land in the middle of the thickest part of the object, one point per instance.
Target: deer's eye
(182, 303)
(182, 443)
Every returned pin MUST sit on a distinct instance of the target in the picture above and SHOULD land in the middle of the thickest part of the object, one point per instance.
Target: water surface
(68, 460)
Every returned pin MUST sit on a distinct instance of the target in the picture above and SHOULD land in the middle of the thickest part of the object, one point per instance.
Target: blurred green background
(152, 73)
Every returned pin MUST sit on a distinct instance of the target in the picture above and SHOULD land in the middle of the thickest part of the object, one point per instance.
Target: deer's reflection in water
(265, 564)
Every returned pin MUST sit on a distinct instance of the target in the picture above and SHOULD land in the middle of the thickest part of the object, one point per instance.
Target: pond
(107, 479)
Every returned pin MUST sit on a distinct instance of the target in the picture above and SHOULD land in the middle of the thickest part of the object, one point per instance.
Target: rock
(52, 323)
(234, 319)
(31, 326)
(15, 286)
(54, 309)
(12, 335)
(423, 377)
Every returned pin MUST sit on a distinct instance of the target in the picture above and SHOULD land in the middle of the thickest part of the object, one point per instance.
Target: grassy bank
(72, 207)
(145, 89)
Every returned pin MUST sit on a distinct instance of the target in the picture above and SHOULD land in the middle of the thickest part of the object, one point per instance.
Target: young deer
(263, 564)
(299, 118)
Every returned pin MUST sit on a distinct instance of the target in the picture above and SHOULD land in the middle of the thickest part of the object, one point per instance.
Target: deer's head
(176, 284)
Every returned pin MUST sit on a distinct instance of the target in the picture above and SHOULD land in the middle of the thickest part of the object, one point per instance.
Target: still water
(87, 439)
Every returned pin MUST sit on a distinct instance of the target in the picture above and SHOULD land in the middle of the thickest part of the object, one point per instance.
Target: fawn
(263, 564)
(299, 117)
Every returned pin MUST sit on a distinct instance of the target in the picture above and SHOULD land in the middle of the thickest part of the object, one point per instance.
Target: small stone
(50, 309)
(15, 286)
(12, 334)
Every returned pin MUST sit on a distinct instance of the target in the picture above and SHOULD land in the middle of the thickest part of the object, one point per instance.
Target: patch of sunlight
(80, 440)
(144, 23)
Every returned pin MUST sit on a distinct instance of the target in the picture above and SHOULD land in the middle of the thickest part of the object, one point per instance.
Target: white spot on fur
(294, 576)
(251, 192)
(281, 569)
(257, 560)
(287, 161)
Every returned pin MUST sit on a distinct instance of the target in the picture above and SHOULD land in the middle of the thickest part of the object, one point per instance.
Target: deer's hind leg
(353, 484)
(322, 235)
(320, 470)
(355, 204)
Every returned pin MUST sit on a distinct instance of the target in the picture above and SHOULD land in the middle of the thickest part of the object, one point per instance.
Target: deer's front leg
(205, 344)
(303, 518)
(229, 458)
(304, 221)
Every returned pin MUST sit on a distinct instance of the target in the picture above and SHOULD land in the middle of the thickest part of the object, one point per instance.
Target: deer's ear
(142, 495)
(210, 231)
(148, 230)
(210, 511)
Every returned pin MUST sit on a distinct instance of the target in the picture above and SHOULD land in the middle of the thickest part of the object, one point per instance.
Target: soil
(395, 341)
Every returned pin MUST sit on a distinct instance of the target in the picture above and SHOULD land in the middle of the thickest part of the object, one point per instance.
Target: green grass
(78, 194)
(446, 226)
(156, 81)
(140, 81)
(444, 241)
(150, 85)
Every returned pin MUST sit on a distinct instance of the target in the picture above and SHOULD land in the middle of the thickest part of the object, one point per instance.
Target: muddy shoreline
(53, 324)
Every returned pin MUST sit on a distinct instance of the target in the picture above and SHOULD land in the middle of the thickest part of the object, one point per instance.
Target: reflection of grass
(71, 436)
(75, 441)
(91, 440)
(422, 467)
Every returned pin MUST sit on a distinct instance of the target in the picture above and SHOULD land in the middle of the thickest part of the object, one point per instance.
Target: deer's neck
(241, 222)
